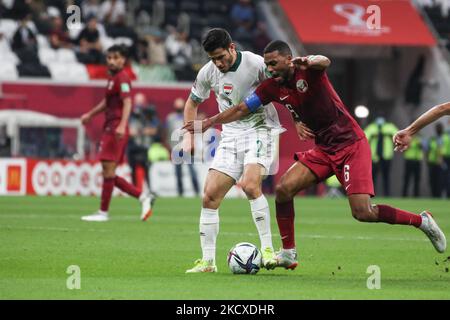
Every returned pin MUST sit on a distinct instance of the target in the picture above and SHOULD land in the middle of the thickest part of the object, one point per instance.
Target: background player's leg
(216, 187)
(109, 173)
(297, 178)
(109, 168)
(127, 187)
(252, 186)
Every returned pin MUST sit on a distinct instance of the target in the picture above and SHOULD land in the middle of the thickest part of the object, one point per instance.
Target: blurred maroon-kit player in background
(302, 86)
(117, 107)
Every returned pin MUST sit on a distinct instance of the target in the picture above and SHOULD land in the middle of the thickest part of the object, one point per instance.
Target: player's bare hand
(85, 118)
(194, 126)
(120, 132)
(304, 132)
(300, 62)
(402, 140)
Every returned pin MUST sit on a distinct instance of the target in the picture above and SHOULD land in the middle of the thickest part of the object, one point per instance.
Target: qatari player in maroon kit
(117, 107)
(302, 86)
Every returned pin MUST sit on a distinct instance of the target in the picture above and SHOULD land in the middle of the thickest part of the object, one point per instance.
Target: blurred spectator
(174, 122)
(243, 14)
(5, 143)
(260, 38)
(59, 37)
(413, 166)
(145, 129)
(24, 44)
(413, 93)
(179, 52)
(112, 12)
(435, 161)
(380, 134)
(446, 162)
(24, 39)
(90, 50)
(243, 17)
(156, 48)
(90, 8)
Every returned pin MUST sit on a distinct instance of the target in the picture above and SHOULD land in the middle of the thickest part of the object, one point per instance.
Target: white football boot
(433, 232)
(147, 200)
(99, 216)
(287, 258)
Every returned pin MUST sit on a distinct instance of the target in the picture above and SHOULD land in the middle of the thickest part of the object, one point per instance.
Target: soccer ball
(244, 258)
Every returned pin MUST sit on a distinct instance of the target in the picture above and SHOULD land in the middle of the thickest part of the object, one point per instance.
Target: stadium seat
(66, 55)
(47, 55)
(74, 32)
(106, 42)
(42, 41)
(212, 6)
(8, 71)
(68, 71)
(123, 40)
(8, 27)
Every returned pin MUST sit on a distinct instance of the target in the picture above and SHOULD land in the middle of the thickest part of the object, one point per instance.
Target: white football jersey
(232, 87)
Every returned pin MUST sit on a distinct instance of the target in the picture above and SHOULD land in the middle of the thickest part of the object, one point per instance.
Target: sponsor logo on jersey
(110, 85)
(302, 85)
(227, 88)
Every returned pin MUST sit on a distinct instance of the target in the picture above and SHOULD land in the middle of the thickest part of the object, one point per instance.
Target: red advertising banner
(366, 22)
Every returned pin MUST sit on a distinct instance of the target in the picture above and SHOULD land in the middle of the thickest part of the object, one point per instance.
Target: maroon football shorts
(351, 164)
(111, 148)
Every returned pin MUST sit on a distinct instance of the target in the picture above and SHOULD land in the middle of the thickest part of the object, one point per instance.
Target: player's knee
(283, 192)
(252, 190)
(209, 200)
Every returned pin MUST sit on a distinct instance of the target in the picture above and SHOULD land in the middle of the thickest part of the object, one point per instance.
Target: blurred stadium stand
(163, 36)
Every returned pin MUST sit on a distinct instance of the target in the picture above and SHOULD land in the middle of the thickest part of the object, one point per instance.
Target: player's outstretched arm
(229, 115)
(402, 139)
(85, 118)
(316, 62)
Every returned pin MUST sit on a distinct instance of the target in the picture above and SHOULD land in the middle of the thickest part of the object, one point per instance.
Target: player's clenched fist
(402, 140)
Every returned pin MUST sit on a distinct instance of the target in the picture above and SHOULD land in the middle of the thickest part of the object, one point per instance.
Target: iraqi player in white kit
(247, 148)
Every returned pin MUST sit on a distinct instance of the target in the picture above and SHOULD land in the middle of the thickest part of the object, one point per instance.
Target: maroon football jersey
(311, 98)
(118, 88)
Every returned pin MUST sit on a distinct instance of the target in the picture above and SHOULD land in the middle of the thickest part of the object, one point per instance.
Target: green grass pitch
(40, 237)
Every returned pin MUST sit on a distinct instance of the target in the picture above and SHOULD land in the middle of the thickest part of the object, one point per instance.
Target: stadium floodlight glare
(361, 112)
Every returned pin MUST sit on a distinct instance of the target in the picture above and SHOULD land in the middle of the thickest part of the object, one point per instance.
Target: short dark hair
(216, 38)
(280, 46)
(119, 48)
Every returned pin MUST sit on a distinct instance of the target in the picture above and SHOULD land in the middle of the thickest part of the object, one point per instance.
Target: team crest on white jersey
(227, 88)
(302, 85)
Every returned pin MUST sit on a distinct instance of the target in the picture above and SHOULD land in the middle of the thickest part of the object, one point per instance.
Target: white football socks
(261, 217)
(209, 229)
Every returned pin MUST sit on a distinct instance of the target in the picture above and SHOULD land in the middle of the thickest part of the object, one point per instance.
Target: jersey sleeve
(124, 86)
(261, 96)
(266, 91)
(202, 87)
